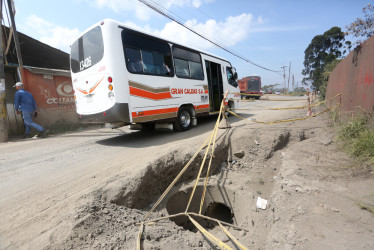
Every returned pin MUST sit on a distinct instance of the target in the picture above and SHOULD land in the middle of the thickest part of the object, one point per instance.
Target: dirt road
(59, 191)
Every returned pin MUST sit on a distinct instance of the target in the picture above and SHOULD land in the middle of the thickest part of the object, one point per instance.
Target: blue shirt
(24, 101)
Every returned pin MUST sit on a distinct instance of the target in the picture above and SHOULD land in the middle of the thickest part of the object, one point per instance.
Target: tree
(267, 88)
(322, 50)
(363, 27)
(299, 90)
(325, 77)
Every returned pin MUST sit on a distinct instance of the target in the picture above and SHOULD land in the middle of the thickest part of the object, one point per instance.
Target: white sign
(2, 85)
(48, 77)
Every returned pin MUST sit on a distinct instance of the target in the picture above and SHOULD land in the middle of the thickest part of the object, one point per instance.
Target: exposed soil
(318, 197)
(91, 189)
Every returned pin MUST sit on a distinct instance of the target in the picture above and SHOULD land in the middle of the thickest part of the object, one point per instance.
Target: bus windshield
(87, 50)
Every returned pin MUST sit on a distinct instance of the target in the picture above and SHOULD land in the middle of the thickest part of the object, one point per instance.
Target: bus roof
(150, 34)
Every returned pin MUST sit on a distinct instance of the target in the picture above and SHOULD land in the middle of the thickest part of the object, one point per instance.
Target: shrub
(363, 144)
(357, 137)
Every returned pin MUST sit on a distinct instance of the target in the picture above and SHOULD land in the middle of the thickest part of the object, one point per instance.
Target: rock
(326, 142)
(105, 211)
(239, 154)
(128, 223)
(300, 210)
(334, 209)
(223, 236)
(242, 233)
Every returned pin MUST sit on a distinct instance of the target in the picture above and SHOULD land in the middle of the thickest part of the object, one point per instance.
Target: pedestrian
(24, 101)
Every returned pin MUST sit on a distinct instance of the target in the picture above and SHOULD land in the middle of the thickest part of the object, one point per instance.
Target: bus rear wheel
(184, 119)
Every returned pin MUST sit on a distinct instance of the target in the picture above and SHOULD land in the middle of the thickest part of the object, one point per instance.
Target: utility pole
(293, 82)
(3, 114)
(284, 76)
(289, 74)
(15, 36)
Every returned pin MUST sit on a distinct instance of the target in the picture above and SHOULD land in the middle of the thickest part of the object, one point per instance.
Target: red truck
(250, 87)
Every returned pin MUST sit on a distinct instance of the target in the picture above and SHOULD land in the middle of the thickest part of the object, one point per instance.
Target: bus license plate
(89, 98)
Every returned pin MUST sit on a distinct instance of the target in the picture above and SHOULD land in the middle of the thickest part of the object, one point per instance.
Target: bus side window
(196, 70)
(154, 54)
(134, 60)
(148, 62)
(181, 68)
(158, 62)
(232, 76)
(187, 63)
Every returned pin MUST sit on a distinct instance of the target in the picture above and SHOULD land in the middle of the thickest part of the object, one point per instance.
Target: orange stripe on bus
(149, 95)
(82, 91)
(155, 112)
(202, 106)
(97, 84)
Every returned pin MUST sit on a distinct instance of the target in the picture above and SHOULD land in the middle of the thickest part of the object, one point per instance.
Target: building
(46, 75)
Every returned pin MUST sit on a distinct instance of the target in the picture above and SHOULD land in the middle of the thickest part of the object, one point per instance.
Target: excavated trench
(157, 176)
(243, 169)
(220, 199)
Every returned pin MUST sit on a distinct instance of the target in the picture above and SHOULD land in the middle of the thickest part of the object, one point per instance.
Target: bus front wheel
(184, 119)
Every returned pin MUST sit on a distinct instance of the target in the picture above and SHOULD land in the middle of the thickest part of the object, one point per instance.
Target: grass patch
(357, 136)
(366, 207)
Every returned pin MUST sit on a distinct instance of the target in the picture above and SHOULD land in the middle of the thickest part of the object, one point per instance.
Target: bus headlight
(111, 96)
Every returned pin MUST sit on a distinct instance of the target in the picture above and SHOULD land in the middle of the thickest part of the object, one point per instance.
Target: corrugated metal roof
(44, 71)
(36, 54)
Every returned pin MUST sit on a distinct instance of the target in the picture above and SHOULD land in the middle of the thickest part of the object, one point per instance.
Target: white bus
(124, 76)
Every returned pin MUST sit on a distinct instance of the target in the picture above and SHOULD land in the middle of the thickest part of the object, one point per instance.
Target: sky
(270, 33)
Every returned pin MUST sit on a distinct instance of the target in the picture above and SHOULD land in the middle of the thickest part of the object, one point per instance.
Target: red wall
(354, 78)
(54, 97)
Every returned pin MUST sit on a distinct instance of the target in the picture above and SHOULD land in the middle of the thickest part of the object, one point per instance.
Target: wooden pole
(3, 113)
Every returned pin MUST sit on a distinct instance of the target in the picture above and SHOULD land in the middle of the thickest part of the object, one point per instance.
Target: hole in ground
(220, 212)
(215, 205)
(139, 192)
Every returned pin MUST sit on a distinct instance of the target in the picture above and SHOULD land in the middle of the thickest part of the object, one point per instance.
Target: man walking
(24, 101)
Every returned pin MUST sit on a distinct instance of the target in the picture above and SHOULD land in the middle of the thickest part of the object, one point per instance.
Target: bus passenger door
(215, 85)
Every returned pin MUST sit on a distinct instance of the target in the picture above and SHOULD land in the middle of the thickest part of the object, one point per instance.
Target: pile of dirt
(314, 192)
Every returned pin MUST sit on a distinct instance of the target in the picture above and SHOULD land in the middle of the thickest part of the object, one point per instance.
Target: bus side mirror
(235, 84)
(234, 77)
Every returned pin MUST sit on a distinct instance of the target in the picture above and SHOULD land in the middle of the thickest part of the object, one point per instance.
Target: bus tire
(184, 119)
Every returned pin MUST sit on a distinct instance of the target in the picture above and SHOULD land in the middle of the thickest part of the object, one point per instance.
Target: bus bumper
(118, 113)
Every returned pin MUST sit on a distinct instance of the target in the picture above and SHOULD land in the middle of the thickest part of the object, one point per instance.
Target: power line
(200, 35)
(256, 50)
